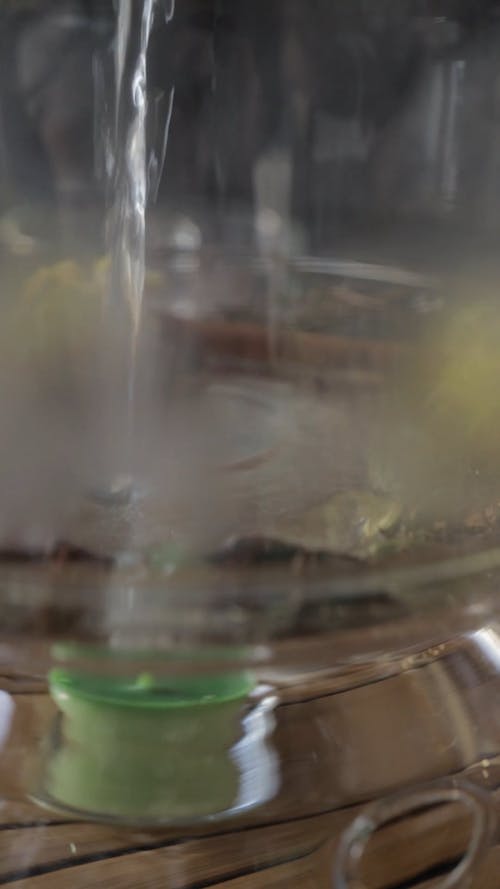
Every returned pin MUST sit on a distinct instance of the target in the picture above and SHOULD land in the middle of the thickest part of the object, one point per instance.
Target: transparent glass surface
(249, 442)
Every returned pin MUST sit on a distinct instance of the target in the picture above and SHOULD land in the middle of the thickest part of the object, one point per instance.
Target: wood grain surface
(82, 855)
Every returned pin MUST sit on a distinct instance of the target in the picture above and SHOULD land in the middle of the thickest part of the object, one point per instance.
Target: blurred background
(338, 114)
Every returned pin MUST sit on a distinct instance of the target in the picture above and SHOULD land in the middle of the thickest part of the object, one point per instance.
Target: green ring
(145, 692)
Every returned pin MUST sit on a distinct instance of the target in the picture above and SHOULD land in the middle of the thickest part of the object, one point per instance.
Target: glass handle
(355, 839)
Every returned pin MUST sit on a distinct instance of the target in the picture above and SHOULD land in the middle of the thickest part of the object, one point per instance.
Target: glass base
(343, 741)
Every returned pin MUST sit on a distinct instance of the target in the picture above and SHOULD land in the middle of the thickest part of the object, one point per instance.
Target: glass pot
(250, 439)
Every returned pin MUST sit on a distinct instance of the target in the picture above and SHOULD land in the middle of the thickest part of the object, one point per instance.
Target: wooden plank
(19, 685)
(488, 874)
(408, 849)
(203, 858)
(25, 814)
(47, 846)
(400, 853)
(328, 759)
(19, 759)
(154, 870)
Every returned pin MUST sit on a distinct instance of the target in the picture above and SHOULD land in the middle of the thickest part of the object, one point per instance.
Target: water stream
(130, 163)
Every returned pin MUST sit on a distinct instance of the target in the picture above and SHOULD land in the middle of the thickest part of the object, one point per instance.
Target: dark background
(250, 76)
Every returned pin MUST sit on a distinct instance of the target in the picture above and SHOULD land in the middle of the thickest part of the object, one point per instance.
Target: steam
(73, 391)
